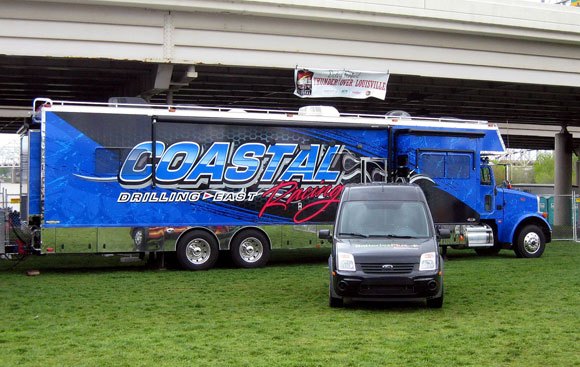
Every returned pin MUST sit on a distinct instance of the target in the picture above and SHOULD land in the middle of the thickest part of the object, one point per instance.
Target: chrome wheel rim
(251, 249)
(532, 242)
(198, 251)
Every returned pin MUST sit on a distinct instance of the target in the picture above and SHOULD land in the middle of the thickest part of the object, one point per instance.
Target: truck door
(491, 199)
(487, 189)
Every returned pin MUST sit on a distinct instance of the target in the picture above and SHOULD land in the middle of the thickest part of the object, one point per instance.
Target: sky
(9, 139)
(9, 145)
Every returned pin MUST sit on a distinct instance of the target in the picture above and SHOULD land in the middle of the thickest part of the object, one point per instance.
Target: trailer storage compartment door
(76, 240)
(445, 164)
(34, 178)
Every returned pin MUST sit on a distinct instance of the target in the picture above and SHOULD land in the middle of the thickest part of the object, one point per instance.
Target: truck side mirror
(324, 234)
(443, 233)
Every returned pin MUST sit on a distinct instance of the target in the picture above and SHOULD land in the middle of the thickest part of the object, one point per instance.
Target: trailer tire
(140, 238)
(531, 242)
(197, 250)
(250, 249)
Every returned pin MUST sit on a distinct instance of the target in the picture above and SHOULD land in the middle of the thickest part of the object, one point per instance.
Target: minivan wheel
(436, 302)
(334, 302)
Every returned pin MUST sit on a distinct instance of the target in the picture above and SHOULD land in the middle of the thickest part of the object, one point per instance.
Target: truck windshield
(395, 219)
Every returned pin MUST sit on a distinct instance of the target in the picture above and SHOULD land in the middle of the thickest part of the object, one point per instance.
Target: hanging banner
(324, 83)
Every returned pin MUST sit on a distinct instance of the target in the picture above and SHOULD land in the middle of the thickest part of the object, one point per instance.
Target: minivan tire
(436, 302)
(334, 302)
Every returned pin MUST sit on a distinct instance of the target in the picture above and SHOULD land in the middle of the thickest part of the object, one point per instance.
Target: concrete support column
(563, 179)
(578, 174)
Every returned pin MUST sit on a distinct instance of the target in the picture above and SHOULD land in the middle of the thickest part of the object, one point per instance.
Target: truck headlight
(345, 262)
(428, 261)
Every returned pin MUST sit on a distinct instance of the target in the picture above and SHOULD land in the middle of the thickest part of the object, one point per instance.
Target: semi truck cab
(514, 216)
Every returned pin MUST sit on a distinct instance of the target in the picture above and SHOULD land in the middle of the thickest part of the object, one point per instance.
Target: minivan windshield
(391, 219)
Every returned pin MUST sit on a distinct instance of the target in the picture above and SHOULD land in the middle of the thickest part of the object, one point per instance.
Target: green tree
(5, 174)
(544, 168)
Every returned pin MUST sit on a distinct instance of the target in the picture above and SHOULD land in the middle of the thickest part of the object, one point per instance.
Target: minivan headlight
(428, 261)
(345, 262)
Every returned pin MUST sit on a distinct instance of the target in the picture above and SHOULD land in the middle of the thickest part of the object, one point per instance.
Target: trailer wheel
(250, 249)
(139, 238)
(197, 250)
(530, 242)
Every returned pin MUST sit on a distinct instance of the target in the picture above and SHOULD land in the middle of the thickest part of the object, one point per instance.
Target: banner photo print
(325, 83)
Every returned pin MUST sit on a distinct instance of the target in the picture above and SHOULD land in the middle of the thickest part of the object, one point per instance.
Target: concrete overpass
(510, 62)
(503, 61)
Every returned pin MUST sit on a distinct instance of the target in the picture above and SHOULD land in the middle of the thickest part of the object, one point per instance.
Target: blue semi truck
(197, 182)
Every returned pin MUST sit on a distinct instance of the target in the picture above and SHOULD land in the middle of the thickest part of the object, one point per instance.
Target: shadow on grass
(83, 263)
(465, 255)
(71, 264)
(280, 258)
(388, 306)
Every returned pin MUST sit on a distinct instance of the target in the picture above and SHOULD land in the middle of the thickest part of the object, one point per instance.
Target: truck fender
(531, 219)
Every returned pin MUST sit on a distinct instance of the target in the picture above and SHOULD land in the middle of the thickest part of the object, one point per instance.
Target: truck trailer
(108, 178)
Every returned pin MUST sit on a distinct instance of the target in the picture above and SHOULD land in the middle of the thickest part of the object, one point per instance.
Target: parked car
(384, 247)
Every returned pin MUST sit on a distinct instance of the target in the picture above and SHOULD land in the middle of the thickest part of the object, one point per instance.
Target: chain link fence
(563, 214)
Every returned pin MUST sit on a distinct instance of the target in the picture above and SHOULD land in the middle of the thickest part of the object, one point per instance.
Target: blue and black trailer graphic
(134, 170)
(118, 178)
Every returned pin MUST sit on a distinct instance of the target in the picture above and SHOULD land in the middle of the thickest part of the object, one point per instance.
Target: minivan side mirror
(443, 233)
(324, 234)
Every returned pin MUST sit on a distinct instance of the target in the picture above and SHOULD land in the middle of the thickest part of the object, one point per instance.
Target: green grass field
(93, 311)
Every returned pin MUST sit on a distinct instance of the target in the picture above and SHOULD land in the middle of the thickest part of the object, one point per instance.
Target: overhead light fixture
(191, 73)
